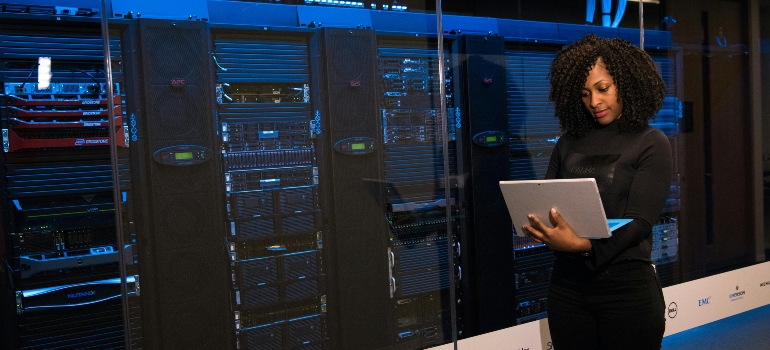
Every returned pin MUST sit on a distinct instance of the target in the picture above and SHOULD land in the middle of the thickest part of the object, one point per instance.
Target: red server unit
(59, 116)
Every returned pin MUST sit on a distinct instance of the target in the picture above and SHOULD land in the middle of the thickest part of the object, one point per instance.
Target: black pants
(619, 307)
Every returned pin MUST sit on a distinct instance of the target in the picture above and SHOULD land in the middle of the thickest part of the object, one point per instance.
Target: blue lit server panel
(57, 190)
(271, 181)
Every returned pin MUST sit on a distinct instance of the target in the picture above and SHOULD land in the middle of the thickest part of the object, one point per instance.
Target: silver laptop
(577, 200)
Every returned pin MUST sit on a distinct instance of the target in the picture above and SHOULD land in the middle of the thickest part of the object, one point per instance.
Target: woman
(604, 294)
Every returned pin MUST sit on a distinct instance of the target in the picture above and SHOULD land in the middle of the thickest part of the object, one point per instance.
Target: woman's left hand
(560, 237)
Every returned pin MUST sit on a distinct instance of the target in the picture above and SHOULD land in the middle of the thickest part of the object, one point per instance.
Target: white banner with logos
(708, 299)
(689, 305)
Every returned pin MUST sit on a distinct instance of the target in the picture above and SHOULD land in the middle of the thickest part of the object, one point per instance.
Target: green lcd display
(183, 155)
(491, 138)
(358, 146)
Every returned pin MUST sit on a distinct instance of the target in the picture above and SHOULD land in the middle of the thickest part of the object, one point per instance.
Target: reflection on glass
(315, 204)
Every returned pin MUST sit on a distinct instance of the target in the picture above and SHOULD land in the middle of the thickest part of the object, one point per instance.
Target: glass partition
(291, 187)
(713, 99)
(303, 174)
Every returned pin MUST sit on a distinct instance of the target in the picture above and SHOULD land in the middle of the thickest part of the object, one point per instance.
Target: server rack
(534, 131)
(421, 262)
(271, 175)
(58, 207)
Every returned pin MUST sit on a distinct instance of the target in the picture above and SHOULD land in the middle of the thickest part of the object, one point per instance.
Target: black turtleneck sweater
(633, 173)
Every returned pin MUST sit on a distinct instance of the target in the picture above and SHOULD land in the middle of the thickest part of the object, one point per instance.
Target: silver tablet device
(577, 200)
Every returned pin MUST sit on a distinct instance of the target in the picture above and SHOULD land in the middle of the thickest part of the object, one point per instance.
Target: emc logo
(705, 301)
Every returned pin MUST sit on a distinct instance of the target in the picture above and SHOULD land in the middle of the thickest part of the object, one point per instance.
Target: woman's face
(600, 95)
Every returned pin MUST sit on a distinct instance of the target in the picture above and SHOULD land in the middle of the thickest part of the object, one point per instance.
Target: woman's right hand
(560, 237)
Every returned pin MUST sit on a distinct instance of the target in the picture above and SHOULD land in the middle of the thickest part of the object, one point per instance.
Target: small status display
(355, 145)
(183, 155)
(489, 138)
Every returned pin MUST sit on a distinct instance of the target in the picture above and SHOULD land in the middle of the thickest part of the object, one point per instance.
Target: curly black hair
(639, 84)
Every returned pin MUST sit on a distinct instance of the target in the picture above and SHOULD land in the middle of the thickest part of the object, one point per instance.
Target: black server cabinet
(488, 284)
(177, 192)
(344, 96)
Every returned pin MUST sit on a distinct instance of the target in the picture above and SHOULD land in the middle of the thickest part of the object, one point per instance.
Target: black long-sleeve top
(633, 173)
